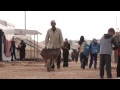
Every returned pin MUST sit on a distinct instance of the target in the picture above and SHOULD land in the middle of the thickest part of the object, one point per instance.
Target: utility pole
(116, 24)
(25, 19)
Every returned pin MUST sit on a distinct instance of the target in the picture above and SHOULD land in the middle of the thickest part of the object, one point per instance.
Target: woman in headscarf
(81, 43)
(83, 58)
(21, 48)
(66, 53)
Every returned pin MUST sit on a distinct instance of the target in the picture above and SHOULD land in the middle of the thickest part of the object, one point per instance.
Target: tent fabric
(21, 32)
(7, 45)
(31, 43)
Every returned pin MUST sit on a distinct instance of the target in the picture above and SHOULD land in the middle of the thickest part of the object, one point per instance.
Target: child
(106, 43)
(94, 49)
(77, 54)
(84, 52)
(73, 55)
(12, 50)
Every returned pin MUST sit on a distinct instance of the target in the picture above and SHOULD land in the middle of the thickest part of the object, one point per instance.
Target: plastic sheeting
(4, 25)
(7, 45)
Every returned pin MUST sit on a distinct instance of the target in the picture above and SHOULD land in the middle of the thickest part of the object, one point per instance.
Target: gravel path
(36, 70)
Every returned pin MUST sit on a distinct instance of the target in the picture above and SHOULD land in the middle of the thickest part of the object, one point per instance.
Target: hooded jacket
(106, 43)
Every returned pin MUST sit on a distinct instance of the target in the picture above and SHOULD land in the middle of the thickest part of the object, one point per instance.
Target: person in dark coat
(73, 55)
(12, 50)
(77, 52)
(118, 63)
(21, 48)
(66, 53)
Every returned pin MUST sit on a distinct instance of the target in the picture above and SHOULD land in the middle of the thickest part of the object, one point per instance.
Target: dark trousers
(105, 60)
(93, 58)
(73, 58)
(65, 58)
(83, 60)
(22, 55)
(58, 60)
(118, 67)
(81, 57)
(13, 54)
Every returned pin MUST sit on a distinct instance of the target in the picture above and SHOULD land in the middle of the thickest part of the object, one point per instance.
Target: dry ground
(36, 70)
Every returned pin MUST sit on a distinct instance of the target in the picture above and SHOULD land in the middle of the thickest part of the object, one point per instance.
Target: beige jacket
(54, 39)
(82, 47)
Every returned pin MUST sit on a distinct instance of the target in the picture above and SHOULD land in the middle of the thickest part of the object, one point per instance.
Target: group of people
(54, 39)
(21, 48)
(87, 50)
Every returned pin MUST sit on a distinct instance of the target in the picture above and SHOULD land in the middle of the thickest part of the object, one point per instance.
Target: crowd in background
(54, 39)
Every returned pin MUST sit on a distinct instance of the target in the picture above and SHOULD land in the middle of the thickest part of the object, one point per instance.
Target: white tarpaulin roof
(22, 32)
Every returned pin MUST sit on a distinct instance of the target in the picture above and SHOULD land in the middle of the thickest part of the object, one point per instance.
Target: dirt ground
(36, 70)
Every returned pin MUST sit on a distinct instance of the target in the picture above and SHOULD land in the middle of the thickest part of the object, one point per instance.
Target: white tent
(13, 32)
(22, 32)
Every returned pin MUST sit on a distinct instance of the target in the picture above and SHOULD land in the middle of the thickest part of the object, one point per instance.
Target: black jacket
(66, 48)
(13, 46)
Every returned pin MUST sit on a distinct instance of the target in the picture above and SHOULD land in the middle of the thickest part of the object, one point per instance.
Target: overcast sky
(91, 24)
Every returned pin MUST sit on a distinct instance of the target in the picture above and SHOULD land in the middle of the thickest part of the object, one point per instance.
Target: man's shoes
(101, 77)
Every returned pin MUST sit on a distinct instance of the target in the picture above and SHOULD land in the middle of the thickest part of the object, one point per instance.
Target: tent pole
(25, 19)
(30, 47)
(34, 47)
(37, 47)
(116, 25)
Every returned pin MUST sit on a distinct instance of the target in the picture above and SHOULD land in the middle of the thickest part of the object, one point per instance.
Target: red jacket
(117, 52)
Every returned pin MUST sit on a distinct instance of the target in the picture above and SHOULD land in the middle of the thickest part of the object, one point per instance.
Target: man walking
(54, 40)
(66, 53)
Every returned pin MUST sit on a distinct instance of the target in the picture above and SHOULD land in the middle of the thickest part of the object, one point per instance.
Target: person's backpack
(86, 49)
(94, 48)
